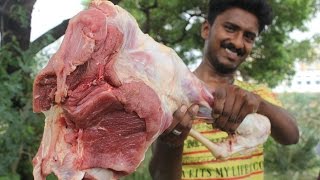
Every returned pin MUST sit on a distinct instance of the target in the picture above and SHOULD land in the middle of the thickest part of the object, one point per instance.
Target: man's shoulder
(250, 86)
(262, 90)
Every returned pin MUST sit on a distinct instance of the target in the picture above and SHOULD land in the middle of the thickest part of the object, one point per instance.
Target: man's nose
(238, 41)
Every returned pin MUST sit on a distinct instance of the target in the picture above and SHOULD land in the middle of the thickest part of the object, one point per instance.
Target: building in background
(306, 79)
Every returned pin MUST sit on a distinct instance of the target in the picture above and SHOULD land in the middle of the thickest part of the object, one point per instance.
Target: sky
(48, 13)
(313, 26)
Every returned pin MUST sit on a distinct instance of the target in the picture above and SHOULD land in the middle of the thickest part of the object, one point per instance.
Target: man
(229, 32)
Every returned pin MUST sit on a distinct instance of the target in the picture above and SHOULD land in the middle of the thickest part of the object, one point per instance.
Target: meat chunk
(108, 93)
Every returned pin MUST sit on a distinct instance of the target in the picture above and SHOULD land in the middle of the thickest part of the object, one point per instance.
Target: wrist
(262, 106)
(170, 142)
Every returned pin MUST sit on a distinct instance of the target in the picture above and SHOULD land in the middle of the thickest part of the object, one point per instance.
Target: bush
(298, 161)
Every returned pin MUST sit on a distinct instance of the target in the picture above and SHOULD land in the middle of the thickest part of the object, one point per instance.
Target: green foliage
(274, 56)
(85, 3)
(289, 160)
(19, 14)
(298, 160)
(173, 23)
(20, 128)
(305, 107)
(10, 177)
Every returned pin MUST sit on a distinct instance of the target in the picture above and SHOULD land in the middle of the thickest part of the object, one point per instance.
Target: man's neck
(211, 77)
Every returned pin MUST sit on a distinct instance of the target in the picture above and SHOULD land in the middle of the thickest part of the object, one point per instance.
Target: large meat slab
(107, 94)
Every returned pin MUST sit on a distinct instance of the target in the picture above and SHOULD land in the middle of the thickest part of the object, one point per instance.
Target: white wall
(306, 79)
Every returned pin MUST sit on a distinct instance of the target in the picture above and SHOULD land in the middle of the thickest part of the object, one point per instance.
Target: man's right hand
(179, 129)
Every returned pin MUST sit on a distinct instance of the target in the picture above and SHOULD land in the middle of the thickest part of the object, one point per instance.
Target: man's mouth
(232, 55)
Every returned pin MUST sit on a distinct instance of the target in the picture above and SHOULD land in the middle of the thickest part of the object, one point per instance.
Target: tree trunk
(16, 21)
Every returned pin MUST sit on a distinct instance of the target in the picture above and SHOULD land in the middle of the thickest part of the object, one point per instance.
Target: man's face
(230, 39)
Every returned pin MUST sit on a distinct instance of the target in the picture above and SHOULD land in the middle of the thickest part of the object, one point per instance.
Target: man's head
(231, 29)
(259, 8)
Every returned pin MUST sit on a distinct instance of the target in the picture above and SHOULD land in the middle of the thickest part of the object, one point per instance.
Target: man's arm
(283, 127)
(166, 161)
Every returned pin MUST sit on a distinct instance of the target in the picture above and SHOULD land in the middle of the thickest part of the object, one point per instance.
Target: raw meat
(253, 131)
(108, 93)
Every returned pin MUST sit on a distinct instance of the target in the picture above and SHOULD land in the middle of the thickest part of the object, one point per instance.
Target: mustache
(240, 51)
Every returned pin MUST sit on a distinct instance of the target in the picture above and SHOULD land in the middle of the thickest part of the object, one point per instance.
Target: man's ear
(205, 28)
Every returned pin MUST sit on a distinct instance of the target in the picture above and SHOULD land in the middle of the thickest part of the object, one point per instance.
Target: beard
(223, 69)
(220, 67)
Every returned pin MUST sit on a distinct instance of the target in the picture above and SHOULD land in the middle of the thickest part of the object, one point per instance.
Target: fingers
(182, 118)
(234, 120)
(249, 107)
(178, 131)
(177, 117)
(217, 108)
(222, 108)
(220, 97)
(188, 117)
(232, 104)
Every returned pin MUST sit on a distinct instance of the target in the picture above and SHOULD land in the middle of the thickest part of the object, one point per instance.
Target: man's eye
(229, 28)
(250, 37)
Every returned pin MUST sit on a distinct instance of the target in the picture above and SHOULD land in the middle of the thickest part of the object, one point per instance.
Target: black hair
(260, 8)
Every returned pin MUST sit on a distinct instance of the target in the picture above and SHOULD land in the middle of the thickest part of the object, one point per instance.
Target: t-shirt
(198, 162)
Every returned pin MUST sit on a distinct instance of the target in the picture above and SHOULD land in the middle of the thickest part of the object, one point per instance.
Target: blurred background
(286, 58)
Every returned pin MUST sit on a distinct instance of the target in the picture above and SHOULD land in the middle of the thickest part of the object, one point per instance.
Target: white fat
(100, 174)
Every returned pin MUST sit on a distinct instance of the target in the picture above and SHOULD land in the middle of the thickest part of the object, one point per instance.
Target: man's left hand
(232, 104)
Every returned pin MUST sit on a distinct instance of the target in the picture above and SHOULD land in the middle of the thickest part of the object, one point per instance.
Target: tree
(174, 23)
(18, 132)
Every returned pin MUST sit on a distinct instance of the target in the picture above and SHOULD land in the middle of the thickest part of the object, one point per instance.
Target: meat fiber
(107, 94)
